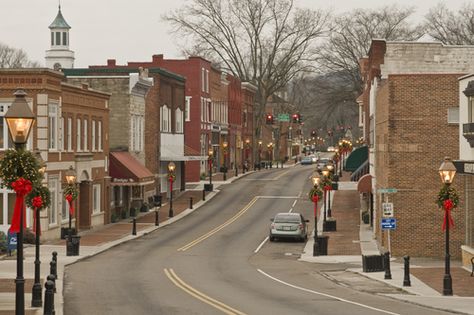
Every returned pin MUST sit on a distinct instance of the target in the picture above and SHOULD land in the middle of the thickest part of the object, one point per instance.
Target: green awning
(356, 158)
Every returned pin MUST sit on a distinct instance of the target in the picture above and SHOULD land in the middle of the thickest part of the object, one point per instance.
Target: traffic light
(313, 133)
(269, 119)
(295, 118)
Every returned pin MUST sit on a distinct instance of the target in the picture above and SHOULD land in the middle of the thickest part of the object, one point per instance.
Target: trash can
(72, 245)
(65, 232)
(208, 187)
(372, 263)
(157, 200)
(320, 247)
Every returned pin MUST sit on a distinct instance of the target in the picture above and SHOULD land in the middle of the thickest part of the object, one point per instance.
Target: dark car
(307, 160)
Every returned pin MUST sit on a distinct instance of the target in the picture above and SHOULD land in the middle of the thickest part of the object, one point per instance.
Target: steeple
(59, 56)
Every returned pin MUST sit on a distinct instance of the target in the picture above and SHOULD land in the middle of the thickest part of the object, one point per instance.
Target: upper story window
(96, 198)
(179, 121)
(137, 132)
(187, 109)
(53, 125)
(69, 134)
(78, 135)
(99, 135)
(85, 134)
(470, 109)
(203, 80)
(64, 39)
(165, 119)
(53, 207)
(58, 38)
(93, 135)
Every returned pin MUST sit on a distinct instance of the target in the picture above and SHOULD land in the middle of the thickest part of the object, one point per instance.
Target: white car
(288, 225)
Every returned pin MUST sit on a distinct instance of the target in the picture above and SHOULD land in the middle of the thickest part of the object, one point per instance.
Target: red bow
(71, 206)
(315, 200)
(22, 187)
(37, 204)
(327, 187)
(448, 219)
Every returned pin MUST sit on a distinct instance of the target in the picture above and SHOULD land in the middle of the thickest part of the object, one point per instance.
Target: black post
(324, 219)
(225, 167)
(157, 221)
(447, 281)
(315, 245)
(386, 263)
(37, 290)
(51, 278)
(55, 258)
(406, 276)
(190, 202)
(203, 194)
(170, 212)
(210, 171)
(329, 203)
(134, 227)
(48, 298)
(20, 281)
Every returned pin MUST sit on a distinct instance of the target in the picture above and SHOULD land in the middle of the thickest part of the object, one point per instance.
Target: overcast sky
(125, 30)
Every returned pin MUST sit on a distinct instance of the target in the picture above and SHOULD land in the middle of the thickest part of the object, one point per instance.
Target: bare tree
(266, 42)
(15, 58)
(352, 35)
(449, 27)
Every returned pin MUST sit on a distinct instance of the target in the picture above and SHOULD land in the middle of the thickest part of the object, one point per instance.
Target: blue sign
(12, 241)
(389, 223)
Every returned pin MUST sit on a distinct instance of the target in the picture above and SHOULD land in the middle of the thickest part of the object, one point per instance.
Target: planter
(329, 225)
(208, 187)
(72, 245)
(372, 263)
(65, 232)
(320, 246)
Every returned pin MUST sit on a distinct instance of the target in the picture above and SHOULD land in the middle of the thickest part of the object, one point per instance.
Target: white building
(59, 56)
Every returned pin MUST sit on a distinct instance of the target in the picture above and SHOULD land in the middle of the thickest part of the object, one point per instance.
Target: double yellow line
(220, 227)
(199, 295)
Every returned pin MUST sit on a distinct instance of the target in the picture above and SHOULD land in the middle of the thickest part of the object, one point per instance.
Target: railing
(361, 171)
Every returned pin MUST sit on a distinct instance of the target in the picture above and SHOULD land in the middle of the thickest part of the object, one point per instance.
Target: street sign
(387, 209)
(12, 241)
(389, 223)
(387, 190)
(284, 117)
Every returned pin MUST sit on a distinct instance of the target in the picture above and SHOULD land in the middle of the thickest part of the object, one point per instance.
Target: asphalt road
(216, 261)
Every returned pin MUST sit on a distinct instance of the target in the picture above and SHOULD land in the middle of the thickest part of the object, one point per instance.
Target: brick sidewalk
(345, 210)
(463, 283)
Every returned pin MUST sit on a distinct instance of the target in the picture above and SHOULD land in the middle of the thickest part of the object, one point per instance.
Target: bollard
(51, 277)
(386, 263)
(190, 202)
(134, 226)
(52, 269)
(157, 221)
(48, 298)
(203, 194)
(55, 258)
(406, 277)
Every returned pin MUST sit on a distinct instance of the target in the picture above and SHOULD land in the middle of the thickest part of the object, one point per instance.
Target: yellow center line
(220, 227)
(199, 295)
(278, 177)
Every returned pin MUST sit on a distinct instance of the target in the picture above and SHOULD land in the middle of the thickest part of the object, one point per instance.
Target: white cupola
(59, 56)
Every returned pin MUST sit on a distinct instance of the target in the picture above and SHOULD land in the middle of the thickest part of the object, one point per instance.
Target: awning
(364, 185)
(189, 155)
(126, 170)
(356, 158)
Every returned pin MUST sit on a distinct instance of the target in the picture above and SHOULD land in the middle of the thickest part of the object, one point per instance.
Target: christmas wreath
(38, 191)
(171, 176)
(70, 190)
(447, 193)
(315, 191)
(19, 164)
(326, 183)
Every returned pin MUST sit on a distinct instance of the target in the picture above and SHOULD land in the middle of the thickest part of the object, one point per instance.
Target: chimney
(111, 63)
(157, 58)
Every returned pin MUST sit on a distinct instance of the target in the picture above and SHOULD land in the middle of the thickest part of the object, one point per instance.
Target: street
(218, 260)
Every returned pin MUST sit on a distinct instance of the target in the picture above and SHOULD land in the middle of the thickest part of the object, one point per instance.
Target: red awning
(364, 185)
(125, 169)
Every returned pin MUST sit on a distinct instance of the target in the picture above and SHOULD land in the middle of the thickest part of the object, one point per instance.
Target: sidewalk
(354, 239)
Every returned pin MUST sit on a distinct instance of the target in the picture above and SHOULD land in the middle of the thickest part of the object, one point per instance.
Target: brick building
(72, 128)
(162, 127)
(248, 121)
(408, 104)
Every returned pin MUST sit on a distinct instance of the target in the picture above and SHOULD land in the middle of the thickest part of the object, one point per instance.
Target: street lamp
(36, 292)
(447, 170)
(247, 149)
(210, 154)
(316, 181)
(224, 146)
(325, 173)
(71, 181)
(171, 169)
(20, 119)
(259, 153)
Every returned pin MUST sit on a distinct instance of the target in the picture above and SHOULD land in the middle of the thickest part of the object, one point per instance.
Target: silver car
(288, 225)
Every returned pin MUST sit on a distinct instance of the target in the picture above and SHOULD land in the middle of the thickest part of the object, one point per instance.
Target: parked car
(307, 160)
(331, 149)
(288, 225)
(314, 158)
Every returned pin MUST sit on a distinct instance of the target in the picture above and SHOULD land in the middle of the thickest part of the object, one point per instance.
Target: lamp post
(447, 171)
(71, 181)
(210, 154)
(36, 292)
(270, 153)
(247, 149)
(259, 153)
(171, 169)
(330, 167)
(325, 173)
(20, 119)
(316, 180)
(225, 144)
